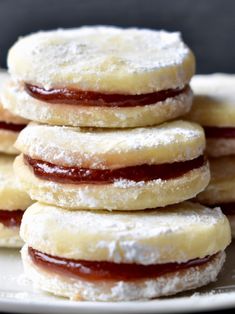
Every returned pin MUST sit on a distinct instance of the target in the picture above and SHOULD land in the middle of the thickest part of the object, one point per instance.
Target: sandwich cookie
(214, 109)
(10, 125)
(13, 202)
(121, 256)
(121, 169)
(100, 76)
(220, 191)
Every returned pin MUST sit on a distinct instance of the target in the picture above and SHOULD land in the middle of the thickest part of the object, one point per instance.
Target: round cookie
(118, 242)
(214, 108)
(13, 201)
(10, 125)
(220, 191)
(113, 169)
(100, 77)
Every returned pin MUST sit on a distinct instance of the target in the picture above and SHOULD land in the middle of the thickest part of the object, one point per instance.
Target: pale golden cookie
(9, 237)
(178, 141)
(214, 100)
(220, 191)
(110, 149)
(81, 290)
(219, 147)
(222, 185)
(127, 237)
(7, 140)
(103, 59)
(214, 107)
(12, 198)
(16, 99)
(7, 135)
(120, 195)
(134, 238)
(106, 60)
(6, 115)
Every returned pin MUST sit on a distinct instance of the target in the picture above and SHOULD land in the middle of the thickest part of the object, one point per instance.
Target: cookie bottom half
(120, 195)
(80, 289)
(9, 237)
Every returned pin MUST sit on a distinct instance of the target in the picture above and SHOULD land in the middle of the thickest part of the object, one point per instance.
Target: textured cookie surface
(12, 196)
(170, 142)
(214, 101)
(222, 185)
(219, 147)
(17, 100)
(120, 195)
(7, 140)
(175, 234)
(79, 290)
(9, 237)
(7, 136)
(104, 59)
(6, 115)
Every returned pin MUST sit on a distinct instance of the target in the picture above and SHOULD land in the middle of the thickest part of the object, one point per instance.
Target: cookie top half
(214, 100)
(112, 149)
(177, 233)
(104, 59)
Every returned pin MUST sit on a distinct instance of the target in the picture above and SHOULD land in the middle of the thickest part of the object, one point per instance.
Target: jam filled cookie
(214, 109)
(100, 77)
(120, 256)
(13, 202)
(10, 125)
(127, 169)
(220, 191)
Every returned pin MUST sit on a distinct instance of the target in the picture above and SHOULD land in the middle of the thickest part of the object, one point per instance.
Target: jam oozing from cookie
(76, 175)
(95, 271)
(216, 132)
(227, 208)
(95, 99)
(11, 126)
(11, 218)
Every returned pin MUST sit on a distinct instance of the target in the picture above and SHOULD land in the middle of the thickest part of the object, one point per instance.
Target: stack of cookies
(13, 200)
(110, 174)
(214, 109)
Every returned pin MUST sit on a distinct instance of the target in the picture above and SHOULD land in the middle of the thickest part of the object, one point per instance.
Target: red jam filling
(227, 208)
(88, 98)
(11, 218)
(215, 132)
(94, 271)
(76, 175)
(11, 126)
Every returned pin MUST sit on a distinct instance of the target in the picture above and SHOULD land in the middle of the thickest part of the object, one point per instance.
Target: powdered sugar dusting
(217, 88)
(129, 237)
(90, 56)
(174, 141)
(190, 278)
(18, 101)
(123, 183)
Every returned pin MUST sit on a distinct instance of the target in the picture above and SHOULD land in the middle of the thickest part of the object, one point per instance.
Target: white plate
(17, 295)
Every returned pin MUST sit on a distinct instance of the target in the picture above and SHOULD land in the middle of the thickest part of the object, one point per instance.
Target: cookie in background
(13, 202)
(214, 109)
(13, 199)
(10, 124)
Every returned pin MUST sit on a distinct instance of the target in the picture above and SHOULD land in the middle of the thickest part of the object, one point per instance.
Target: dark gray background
(208, 26)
